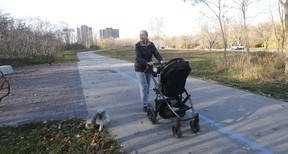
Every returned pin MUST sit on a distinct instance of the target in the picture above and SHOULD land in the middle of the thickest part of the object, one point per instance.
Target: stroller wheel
(151, 115)
(176, 131)
(195, 127)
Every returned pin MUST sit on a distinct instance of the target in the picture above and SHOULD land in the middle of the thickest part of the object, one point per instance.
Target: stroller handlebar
(158, 63)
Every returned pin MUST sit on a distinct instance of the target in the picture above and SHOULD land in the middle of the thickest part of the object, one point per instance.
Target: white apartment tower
(109, 32)
(85, 35)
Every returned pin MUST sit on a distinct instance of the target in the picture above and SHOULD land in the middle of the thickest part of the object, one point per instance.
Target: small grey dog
(100, 118)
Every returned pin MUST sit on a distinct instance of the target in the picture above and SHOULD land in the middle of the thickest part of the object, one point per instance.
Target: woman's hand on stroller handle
(159, 63)
(150, 63)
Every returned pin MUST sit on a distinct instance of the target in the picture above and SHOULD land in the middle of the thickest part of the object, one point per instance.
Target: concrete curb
(6, 69)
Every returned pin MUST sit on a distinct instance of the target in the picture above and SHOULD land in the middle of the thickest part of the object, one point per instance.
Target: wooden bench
(4, 86)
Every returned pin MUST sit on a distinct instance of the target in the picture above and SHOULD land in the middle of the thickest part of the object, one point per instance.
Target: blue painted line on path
(221, 128)
(227, 131)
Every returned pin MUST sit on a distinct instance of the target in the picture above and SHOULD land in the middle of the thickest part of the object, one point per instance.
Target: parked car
(237, 47)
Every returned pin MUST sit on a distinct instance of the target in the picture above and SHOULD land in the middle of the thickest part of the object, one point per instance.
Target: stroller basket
(165, 112)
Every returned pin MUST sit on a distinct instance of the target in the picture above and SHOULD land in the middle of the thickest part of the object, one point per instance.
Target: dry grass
(261, 66)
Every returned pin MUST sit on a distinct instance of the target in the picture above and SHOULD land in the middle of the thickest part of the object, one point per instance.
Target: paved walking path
(232, 121)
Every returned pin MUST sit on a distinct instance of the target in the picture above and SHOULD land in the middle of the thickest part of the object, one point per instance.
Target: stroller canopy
(173, 77)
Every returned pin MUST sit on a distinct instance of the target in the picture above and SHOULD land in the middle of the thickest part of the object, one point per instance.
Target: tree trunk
(285, 6)
(286, 29)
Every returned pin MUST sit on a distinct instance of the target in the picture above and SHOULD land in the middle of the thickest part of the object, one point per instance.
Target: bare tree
(6, 23)
(279, 31)
(68, 35)
(217, 8)
(264, 33)
(156, 29)
(169, 42)
(243, 5)
(110, 43)
(29, 39)
(235, 35)
(284, 4)
(186, 42)
(208, 36)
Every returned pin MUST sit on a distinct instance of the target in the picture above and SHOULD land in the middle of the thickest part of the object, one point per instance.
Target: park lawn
(204, 66)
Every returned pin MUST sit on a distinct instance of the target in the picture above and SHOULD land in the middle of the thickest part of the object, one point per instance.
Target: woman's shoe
(145, 109)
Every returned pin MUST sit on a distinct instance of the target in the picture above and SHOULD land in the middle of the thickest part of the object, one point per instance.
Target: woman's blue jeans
(144, 85)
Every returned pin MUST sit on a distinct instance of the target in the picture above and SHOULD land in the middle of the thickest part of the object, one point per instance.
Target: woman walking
(144, 50)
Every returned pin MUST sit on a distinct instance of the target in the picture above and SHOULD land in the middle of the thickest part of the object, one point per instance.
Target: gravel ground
(43, 92)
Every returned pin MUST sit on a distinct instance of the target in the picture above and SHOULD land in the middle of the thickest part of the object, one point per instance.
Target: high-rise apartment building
(85, 35)
(109, 32)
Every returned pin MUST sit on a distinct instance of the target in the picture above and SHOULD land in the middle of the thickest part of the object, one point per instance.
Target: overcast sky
(129, 16)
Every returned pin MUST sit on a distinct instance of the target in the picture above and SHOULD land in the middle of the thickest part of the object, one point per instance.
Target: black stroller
(169, 89)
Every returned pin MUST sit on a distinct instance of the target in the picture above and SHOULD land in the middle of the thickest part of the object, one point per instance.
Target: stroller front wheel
(151, 115)
(194, 124)
(176, 131)
(195, 127)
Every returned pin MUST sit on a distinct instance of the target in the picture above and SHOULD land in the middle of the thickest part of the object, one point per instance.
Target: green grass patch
(58, 136)
(67, 56)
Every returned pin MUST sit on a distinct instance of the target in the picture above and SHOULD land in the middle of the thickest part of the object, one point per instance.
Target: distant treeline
(33, 41)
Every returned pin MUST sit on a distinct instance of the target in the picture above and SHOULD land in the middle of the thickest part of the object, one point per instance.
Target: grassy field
(250, 72)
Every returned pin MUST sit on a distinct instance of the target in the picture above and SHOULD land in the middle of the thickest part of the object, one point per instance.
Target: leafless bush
(32, 40)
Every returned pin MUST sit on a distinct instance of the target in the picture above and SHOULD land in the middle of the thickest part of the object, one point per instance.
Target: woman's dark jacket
(144, 55)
